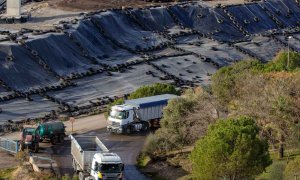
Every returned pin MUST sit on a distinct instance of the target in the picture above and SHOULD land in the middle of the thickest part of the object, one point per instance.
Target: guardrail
(9, 145)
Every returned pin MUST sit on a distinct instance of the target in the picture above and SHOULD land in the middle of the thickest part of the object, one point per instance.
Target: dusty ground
(105, 4)
(80, 126)
(225, 2)
(43, 16)
(88, 5)
(7, 160)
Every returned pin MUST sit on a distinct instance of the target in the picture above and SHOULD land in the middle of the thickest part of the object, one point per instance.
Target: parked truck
(92, 160)
(138, 114)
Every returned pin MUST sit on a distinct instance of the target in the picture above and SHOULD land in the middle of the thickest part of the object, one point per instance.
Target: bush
(231, 149)
(185, 120)
(292, 169)
(152, 90)
(281, 63)
(224, 80)
(7, 173)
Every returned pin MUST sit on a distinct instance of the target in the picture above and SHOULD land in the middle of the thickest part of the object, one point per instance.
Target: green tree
(152, 90)
(231, 149)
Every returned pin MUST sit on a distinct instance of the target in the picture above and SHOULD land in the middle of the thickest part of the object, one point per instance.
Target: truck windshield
(111, 168)
(118, 114)
(29, 131)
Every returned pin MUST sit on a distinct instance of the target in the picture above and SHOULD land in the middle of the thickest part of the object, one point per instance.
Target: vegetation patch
(7, 173)
(143, 160)
(260, 105)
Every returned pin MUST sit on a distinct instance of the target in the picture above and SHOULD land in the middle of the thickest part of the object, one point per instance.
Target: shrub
(281, 63)
(152, 90)
(292, 169)
(223, 81)
(185, 120)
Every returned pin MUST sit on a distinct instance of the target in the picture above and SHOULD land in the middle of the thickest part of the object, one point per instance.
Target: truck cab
(29, 139)
(120, 117)
(107, 166)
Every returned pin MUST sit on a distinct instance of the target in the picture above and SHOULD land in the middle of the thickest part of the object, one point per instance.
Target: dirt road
(127, 147)
(81, 125)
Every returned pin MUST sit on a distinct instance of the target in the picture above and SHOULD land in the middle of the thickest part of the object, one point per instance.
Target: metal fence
(9, 145)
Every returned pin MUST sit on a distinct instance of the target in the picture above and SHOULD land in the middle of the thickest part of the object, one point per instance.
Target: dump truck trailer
(92, 160)
(137, 114)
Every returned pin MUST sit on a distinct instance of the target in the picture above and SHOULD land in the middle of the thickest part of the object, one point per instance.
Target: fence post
(17, 147)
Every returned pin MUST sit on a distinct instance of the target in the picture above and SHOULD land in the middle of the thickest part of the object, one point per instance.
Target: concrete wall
(13, 8)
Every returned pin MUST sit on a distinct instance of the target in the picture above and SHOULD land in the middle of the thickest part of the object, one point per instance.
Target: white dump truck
(93, 161)
(137, 114)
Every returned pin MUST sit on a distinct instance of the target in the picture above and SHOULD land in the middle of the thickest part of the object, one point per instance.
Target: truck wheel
(61, 138)
(74, 166)
(53, 140)
(145, 126)
(36, 148)
(81, 176)
(128, 130)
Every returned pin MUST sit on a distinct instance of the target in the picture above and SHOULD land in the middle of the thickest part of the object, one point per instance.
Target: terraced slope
(88, 62)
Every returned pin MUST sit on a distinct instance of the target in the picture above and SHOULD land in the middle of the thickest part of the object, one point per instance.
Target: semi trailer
(92, 160)
(137, 114)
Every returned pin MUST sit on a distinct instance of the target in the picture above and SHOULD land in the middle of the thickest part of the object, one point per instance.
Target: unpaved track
(7, 160)
(127, 147)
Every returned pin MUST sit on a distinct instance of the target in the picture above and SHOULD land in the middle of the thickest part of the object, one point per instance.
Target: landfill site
(86, 61)
(76, 60)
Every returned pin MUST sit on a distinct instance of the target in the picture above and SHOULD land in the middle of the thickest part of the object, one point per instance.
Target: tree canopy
(232, 149)
(152, 90)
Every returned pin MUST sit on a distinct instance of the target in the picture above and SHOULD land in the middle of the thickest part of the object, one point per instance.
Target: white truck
(137, 114)
(93, 161)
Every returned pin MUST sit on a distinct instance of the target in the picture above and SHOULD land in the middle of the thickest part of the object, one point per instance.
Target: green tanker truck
(53, 131)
